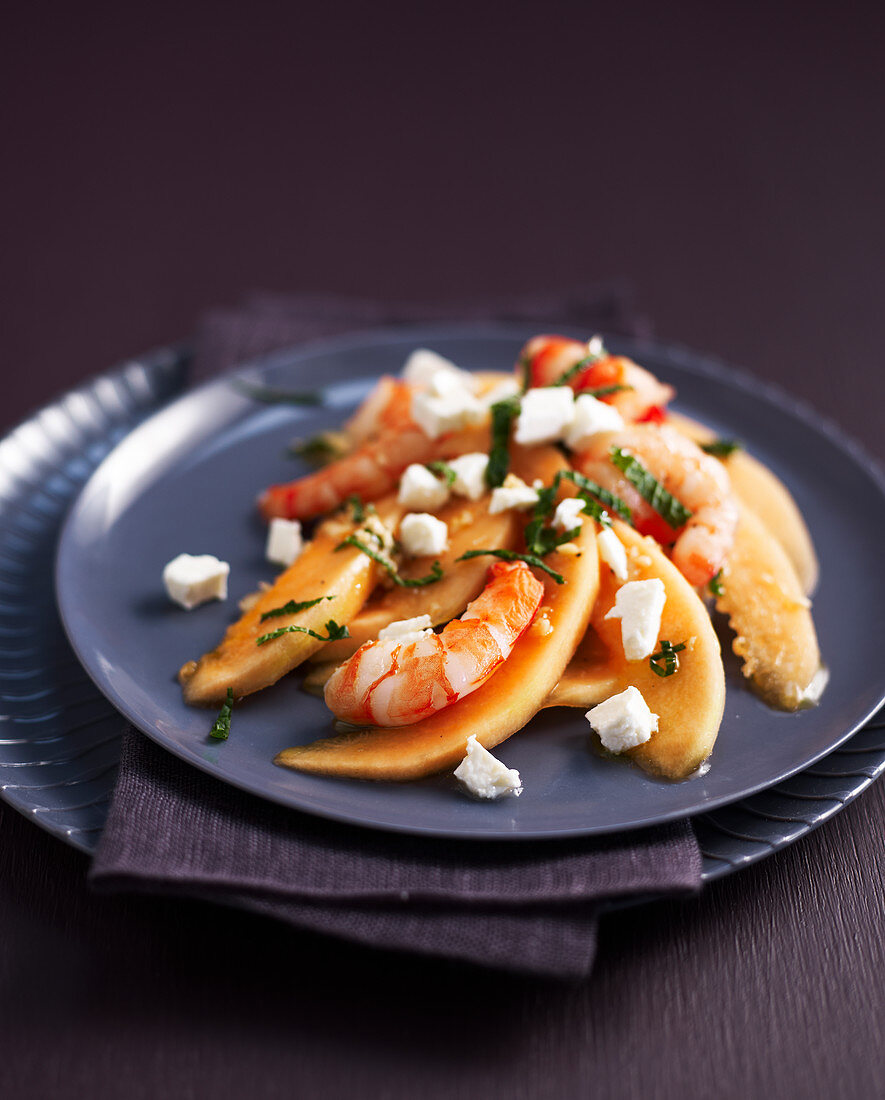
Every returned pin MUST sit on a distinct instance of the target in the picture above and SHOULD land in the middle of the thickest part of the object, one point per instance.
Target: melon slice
(508, 699)
(771, 618)
(470, 527)
(690, 703)
(239, 663)
(758, 488)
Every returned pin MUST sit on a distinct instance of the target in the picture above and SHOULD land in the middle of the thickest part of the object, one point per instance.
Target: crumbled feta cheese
(545, 414)
(406, 631)
(591, 416)
(623, 721)
(194, 579)
(569, 513)
(612, 552)
(638, 604)
(420, 533)
(470, 475)
(423, 366)
(514, 493)
(484, 775)
(284, 542)
(419, 488)
(507, 387)
(438, 413)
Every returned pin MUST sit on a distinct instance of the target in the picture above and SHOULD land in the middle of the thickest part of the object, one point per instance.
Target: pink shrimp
(549, 357)
(696, 480)
(386, 439)
(394, 682)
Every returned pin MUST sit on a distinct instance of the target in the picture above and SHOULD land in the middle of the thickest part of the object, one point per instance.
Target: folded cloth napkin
(529, 906)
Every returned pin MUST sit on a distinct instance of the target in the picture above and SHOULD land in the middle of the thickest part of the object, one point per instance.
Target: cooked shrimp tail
(394, 682)
(697, 480)
(548, 358)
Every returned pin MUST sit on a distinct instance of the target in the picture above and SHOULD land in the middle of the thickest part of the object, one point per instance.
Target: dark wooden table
(732, 169)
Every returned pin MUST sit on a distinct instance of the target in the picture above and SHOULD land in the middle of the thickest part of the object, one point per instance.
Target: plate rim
(702, 364)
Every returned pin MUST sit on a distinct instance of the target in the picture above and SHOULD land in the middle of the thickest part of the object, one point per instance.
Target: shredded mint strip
(593, 489)
(443, 469)
(722, 448)
(357, 508)
(540, 540)
(267, 395)
(221, 729)
(525, 369)
(512, 555)
(320, 449)
(435, 573)
(503, 415)
(293, 607)
(604, 391)
(716, 586)
(333, 630)
(671, 510)
(665, 662)
(587, 361)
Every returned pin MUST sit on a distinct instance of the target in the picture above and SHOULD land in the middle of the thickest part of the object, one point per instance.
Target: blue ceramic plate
(186, 481)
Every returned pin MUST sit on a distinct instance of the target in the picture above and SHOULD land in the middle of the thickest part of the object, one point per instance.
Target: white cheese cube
(484, 775)
(423, 366)
(545, 415)
(420, 533)
(569, 514)
(638, 604)
(284, 542)
(470, 475)
(623, 721)
(436, 414)
(591, 416)
(419, 488)
(507, 387)
(612, 552)
(514, 493)
(194, 579)
(406, 631)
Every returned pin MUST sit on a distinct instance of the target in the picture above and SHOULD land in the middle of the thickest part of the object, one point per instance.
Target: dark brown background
(728, 161)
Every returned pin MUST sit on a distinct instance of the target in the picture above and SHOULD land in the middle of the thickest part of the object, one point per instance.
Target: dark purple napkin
(531, 907)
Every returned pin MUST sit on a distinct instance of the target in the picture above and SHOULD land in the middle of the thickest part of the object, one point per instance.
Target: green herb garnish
(722, 448)
(320, 449)
(293, 607)
(665, 662)
(604, 391)
(503, 415)
(511, 555)
(592, 357)
(717, 588)
(442, 469)
(221, 729)
(435, 573)
(268, 395)
(540, 540)
(357, 508)
(333, 630)
(525, 367)
(672, 511)
(588, 489)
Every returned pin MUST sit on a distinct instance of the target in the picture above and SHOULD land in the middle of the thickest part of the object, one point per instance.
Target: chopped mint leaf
(221, 728)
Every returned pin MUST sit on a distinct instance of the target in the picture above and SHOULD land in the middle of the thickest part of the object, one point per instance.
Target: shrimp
(696, 479)
(549, 357)
(386, 440)
(394, 682)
